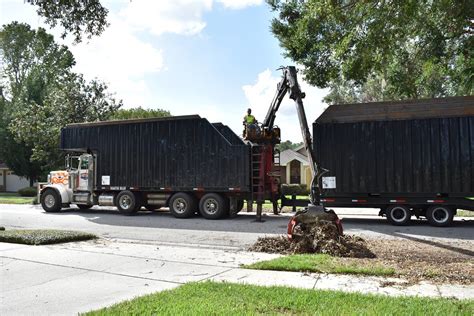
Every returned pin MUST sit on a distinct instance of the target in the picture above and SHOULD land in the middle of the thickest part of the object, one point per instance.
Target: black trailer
(407, 157)
(184, 162)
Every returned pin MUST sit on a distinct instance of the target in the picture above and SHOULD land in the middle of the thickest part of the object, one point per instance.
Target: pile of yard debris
(318, 237)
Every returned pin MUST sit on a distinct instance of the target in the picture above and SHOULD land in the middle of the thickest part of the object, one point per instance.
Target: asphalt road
(238, 232)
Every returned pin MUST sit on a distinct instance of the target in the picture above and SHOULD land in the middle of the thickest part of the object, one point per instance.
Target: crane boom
(289, 83)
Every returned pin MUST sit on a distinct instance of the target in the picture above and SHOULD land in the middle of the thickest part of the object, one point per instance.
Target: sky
(215, 58)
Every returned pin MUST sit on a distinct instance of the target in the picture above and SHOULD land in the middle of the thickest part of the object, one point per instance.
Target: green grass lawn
(211, 298)
(15, 198)
(465, 213)
(42, 236)
(320, 263)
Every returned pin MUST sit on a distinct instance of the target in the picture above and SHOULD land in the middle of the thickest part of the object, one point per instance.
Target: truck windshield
(72, 162)
(84, 163)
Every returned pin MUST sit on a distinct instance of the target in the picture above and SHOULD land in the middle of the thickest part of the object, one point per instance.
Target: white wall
(15, 183)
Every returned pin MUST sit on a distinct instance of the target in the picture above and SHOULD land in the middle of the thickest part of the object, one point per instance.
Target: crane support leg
(259, 211)
(275, 207)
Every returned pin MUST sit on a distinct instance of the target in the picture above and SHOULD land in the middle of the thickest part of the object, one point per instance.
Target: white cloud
(260, 94)
(183, 17)
(239, 4)
(119, 56)
(122, 56)
(121, 59)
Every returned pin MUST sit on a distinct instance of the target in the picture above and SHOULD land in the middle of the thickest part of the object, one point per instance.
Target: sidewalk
(78, 277)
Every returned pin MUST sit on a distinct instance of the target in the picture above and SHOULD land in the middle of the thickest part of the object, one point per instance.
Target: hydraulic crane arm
(289, 82)
(282, 89)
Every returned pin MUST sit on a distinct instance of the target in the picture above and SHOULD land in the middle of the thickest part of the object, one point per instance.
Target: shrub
(296, 189)
(28, 191)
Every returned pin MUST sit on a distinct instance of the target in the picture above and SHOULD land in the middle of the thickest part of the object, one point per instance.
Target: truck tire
(51, 201)
(235, 206)
(398, 215)
(182, 205)
(440, 215)
(127, 203)
(213, 206)
(239, 205)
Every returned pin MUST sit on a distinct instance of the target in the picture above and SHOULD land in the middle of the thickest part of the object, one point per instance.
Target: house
(9, 181)
(294, 167)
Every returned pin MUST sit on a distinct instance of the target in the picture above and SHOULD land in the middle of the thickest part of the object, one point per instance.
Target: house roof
(297, 148)
(302, 150)
(398, 110)
(289, 155)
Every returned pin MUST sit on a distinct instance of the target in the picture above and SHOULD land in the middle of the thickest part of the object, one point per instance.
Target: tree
(415, 48)
(374, 89)
(288, 145)
(16, 155)
(77, 17)
(74, 101)
(139, 112)
(42, 95)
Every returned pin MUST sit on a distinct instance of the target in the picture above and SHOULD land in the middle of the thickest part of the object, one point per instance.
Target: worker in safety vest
(250, 123)
(249, 118)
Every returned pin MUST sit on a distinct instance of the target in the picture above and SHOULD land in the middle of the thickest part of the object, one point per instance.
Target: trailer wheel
(238, 206)
(127, 203)
(398, 215)
(51, 201)
(440, 215)
(182, 205)
(213, 206)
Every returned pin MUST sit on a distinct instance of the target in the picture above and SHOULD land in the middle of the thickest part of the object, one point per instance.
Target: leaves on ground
(321, 238)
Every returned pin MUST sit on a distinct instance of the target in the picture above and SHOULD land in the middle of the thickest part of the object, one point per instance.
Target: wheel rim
(125, 202)
(440, 215)
(211, 206)
(49, 201)
(399, 214)
(180, 205)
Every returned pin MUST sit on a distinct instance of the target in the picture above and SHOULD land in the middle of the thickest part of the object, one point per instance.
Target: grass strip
(320, 263)
(42, 236)
(465, 213)
(210, 298)
(14, 198)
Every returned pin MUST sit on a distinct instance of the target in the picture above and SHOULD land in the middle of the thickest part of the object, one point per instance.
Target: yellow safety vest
(249, 119)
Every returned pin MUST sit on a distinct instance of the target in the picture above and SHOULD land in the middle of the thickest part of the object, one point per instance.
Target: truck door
(85, 173)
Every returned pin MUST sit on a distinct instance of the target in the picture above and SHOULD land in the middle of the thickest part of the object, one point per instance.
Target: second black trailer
(407, 157)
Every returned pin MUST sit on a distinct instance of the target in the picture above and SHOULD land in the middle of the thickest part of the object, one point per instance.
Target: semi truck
(408, 158)
(183, 162)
